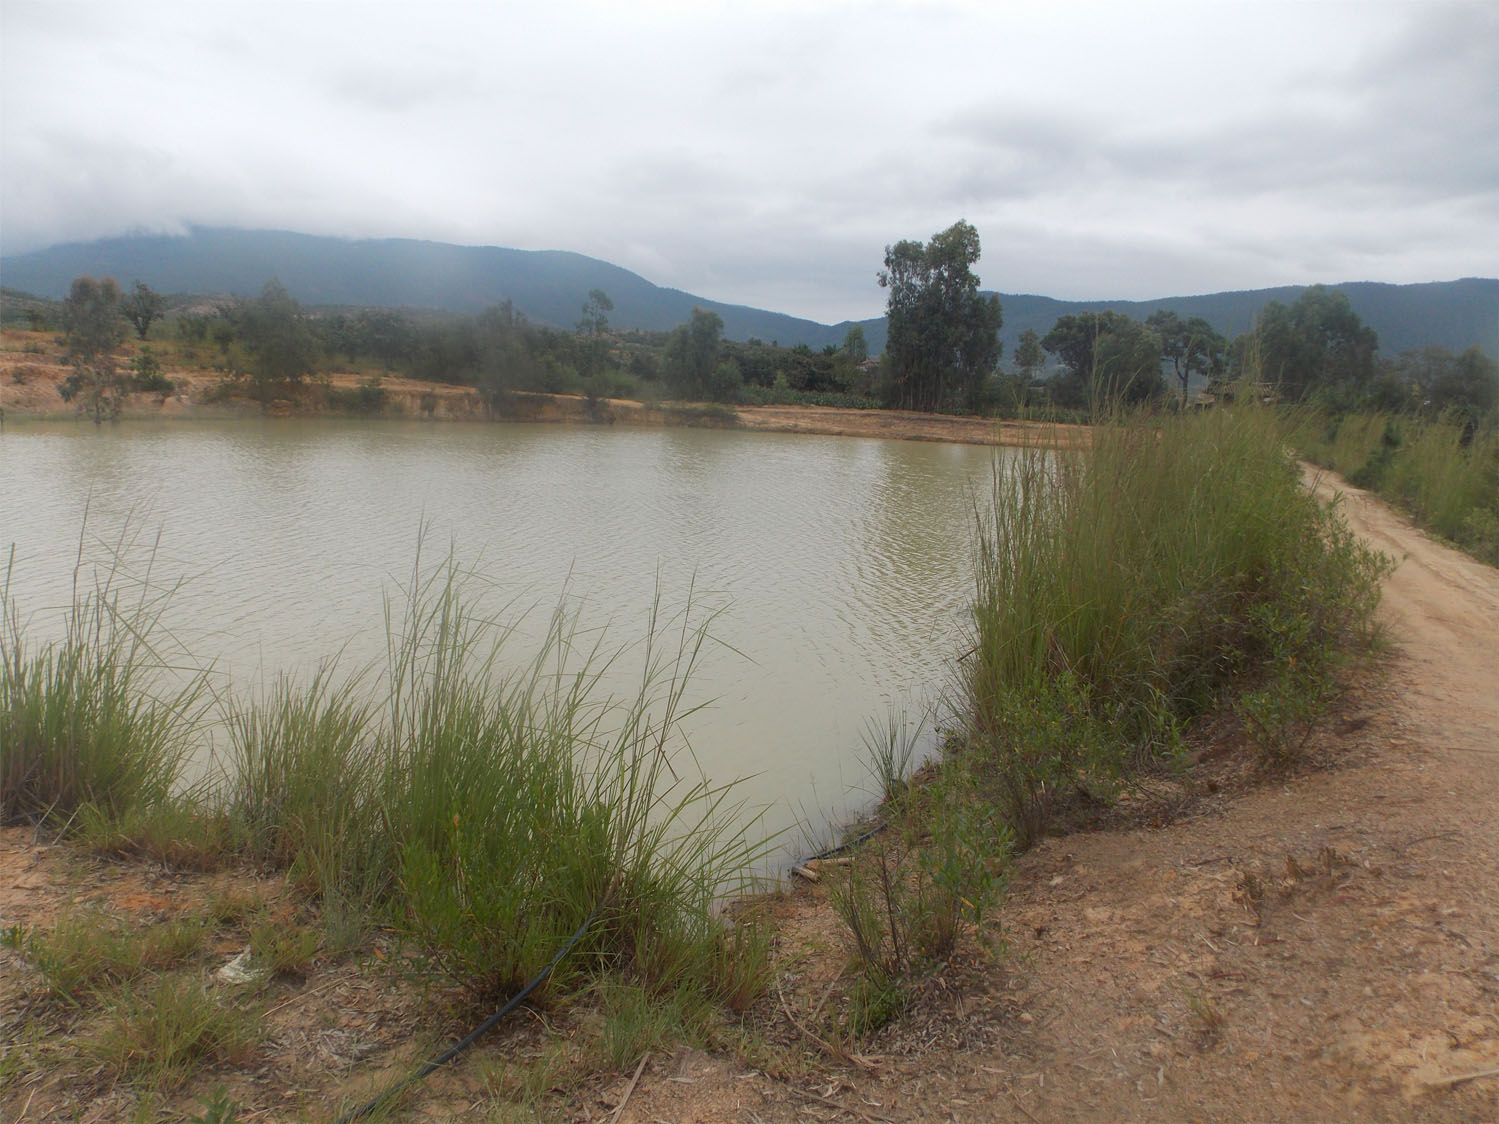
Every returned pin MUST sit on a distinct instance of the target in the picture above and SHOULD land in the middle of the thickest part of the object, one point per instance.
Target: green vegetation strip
(489, 813)
(1444, 472)
(1176, 569)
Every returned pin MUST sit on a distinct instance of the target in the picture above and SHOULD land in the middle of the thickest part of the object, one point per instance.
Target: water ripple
(841, 564)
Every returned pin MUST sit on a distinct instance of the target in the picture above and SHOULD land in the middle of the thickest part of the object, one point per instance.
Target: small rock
(238, 970)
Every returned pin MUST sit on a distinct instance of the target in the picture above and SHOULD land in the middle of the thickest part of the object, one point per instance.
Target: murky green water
(840, 566)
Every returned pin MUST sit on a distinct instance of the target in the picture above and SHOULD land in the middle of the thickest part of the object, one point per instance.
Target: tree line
(943, 351)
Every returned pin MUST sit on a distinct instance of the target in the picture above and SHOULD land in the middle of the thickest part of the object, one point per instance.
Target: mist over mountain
(550, 286)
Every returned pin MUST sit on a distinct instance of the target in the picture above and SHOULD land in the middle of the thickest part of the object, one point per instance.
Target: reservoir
(838, 570)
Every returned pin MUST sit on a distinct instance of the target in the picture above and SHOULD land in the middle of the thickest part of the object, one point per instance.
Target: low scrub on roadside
(1444, 473)
(1176, 567)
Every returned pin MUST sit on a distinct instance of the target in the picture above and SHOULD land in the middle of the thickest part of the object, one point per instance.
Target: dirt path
(1323, 949)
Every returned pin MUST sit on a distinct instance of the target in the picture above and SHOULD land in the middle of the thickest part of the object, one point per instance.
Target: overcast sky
(765, 153)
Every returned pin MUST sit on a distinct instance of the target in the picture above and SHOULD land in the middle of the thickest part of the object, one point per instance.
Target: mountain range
(550, 286)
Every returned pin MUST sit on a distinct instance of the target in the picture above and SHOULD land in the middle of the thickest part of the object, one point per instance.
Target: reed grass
(484, 804)
(1124, 591)
(521, 803)
(91, 720)
(300, 791)
(1442, 472)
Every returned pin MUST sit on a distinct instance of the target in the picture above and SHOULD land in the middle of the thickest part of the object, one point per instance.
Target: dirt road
(1323, 949)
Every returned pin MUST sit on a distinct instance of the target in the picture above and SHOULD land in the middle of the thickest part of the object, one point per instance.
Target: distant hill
(1451, 314)
(550, 286)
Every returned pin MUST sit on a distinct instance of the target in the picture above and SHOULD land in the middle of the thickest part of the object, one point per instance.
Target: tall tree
(142, 307)
(592, 333)
(1029, 359)
(1438, 382)
(94, 330)
(943, 336)
(1029, 355)
(855, 345)
(1317, 343)
(1110, 358)
(691, 361)
(1192, 347)
(283, 349)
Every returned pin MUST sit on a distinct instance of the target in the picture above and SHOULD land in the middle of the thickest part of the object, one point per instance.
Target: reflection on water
(840, 565)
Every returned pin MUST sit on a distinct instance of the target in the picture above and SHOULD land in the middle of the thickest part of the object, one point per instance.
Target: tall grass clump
(489, 806)
(91, 722)
(302, 780)
(1443, 472)
(1125, 590)
(521, 803)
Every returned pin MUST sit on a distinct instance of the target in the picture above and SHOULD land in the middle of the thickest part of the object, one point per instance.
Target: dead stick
(630, 1088)
(839, 1105)
(298, 998)
(1460, 1078)
(841, 1055)
(1021, 1106)
(817, 1010)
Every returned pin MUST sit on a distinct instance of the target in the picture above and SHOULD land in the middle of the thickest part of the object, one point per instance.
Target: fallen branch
(630, 1088)
(839, 1105)
(1462, 1077)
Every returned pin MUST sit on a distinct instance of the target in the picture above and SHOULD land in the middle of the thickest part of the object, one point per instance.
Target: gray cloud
(767, 155)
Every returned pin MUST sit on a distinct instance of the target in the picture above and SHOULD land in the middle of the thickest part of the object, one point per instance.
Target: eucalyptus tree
(1110, 358)
(593, 343)
(943, 335)
(283, 348)
(1192, 347)
(1316, 344)
(694, 364)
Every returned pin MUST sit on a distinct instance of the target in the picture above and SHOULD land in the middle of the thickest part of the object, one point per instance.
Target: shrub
(904, 900)
(146, 375)
(369, 397)
(1444, 473)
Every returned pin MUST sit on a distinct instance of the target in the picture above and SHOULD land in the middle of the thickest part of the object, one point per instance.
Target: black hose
(478, 1032)
(849, 844)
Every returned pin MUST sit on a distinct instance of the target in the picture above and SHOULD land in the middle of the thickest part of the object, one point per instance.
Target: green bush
(146, 375)
(369, 397)
(905, 898)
